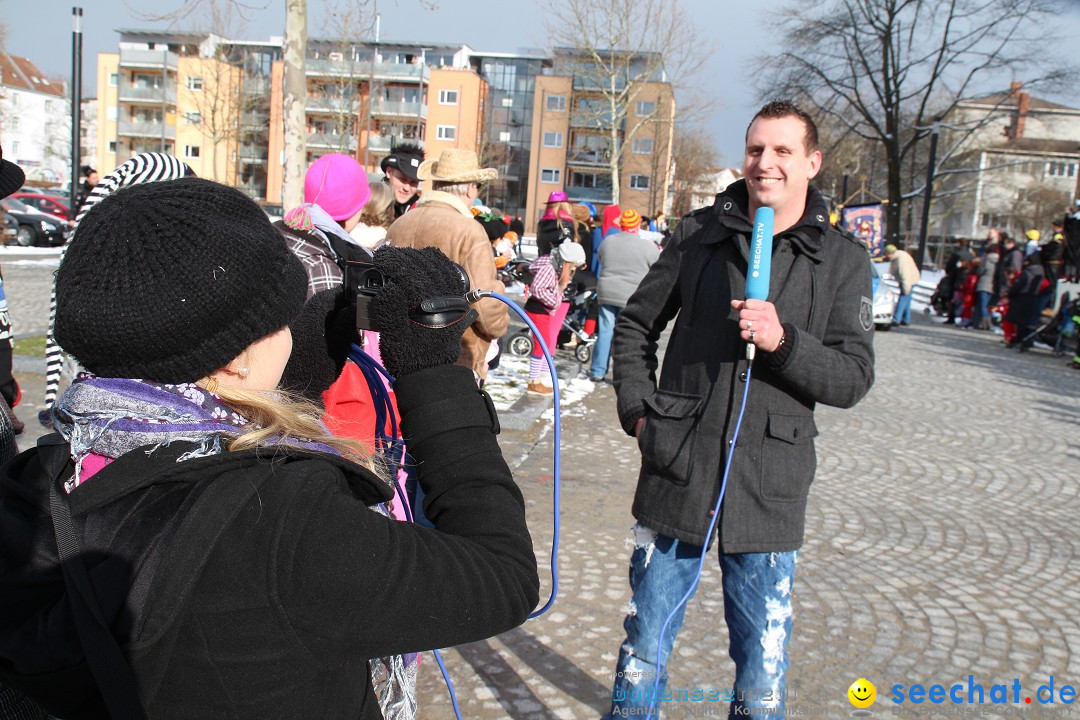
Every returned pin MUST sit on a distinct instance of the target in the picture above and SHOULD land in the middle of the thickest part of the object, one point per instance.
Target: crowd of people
(277, 479)
(1002, 280)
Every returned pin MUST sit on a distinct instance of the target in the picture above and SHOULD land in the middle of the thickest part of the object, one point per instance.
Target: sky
(41, 31)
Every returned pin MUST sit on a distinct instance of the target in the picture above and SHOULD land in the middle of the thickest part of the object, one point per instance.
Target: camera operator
(228, 555)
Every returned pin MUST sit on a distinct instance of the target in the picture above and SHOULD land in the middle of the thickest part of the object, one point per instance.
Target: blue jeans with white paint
(757, 608)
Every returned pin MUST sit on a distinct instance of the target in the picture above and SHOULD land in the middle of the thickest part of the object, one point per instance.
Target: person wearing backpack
(191, 542)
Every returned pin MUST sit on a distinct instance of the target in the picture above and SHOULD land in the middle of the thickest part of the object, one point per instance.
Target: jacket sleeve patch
(866, 313)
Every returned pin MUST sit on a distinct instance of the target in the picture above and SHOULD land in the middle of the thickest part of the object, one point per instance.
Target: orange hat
(629, 219)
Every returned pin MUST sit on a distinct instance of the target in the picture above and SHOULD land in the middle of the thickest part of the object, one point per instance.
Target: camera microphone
(760, 263)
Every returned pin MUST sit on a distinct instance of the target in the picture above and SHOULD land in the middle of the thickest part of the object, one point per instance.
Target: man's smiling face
(777, 167)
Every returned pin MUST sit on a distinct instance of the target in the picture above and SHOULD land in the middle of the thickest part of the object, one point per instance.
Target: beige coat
(443, 221)
(903, 268)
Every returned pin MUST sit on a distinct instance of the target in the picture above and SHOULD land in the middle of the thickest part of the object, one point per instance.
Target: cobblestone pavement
(941, 542)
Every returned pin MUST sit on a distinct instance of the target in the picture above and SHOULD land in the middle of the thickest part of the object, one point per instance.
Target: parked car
(47, 203)
(10, 229)
(884, 299)
(35, 227)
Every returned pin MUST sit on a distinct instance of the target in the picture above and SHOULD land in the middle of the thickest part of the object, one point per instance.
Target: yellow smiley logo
(862, 693)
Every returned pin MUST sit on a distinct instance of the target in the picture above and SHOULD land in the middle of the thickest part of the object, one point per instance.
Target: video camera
(365, 281)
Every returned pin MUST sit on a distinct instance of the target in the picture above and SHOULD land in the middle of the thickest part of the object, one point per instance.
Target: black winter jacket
(821, 286)
(278, 613)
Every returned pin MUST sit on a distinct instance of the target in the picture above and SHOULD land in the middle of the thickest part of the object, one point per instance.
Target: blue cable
(705, 545)
(391, 447)
(558, 462)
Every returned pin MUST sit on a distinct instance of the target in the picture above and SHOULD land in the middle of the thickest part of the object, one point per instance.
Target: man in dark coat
(400, 168)
(812, 340)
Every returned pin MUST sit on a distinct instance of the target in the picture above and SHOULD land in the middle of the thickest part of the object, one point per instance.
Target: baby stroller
(521, 342)
(515, 272)
(1056, 328)
(941, 300)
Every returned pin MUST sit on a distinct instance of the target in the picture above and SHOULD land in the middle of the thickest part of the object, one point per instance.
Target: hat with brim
(406, 161)
(11, 176)
(456, 166)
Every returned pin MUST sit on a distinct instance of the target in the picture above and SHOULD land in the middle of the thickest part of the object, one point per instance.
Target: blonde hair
(281, 416)
(375, 212)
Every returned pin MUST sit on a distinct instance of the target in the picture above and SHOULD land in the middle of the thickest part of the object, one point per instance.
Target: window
(114, 79)
(195, 84)
(556, 103)
(448, 97)
(14, 123)
(643, 146)
(639, 182)
(48, 106)
(508, 102)
(15, 101)
(112, 147)
(113, 113)
(446, 132)
(1061, 169)
(645, 108)
(504, 136)
(191, 151)
(193, 117)
(553, 139)
(15, 147)
(550, 175)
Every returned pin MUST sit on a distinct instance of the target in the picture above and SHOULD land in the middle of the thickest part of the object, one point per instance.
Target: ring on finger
(750, 325)
(751, 336)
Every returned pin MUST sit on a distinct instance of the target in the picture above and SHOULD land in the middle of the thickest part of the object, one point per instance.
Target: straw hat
(456, 166)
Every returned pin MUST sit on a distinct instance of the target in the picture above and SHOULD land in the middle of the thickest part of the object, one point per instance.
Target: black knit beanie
(169, 281)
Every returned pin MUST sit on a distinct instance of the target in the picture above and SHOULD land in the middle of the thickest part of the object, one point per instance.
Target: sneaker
(596, 379)
(540, 388)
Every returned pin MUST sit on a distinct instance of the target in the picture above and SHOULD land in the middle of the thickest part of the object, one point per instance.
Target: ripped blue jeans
(757, 608)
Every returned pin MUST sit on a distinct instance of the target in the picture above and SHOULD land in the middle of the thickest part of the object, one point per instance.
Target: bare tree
(887, 70)
(696, 158)
(613, 49)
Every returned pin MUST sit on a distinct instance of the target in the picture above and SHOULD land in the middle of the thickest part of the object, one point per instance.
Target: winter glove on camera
(322, 334)
(410, 339)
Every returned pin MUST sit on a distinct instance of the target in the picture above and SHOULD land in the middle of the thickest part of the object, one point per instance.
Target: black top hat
(406, 158)
(11, 176)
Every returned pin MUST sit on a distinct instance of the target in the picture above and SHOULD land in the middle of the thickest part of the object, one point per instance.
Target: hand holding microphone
(758, 322)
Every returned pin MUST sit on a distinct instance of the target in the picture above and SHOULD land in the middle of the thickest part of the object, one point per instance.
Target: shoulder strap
(114, 676)
(206, 519)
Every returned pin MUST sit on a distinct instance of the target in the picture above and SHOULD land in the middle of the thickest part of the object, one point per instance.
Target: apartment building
(35, 121)
(1017, 167)
(577, 130)
(219, 105)
(198, 96)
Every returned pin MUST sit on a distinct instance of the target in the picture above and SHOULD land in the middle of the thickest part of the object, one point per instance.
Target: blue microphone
(757, 272)
(757, 269)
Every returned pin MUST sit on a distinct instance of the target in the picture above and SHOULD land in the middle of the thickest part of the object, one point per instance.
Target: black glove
(322, 334)
(409, 339)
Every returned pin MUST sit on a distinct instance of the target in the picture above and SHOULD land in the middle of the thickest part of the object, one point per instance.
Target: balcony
(332, 105)
(256, 86)
(255, 119)
(331, 141)
(398, 108)
(254, 153)
(591, 158)
(361, 69)
(129, 93)
(600, 195)
(153, 130)
(151, 59)
(592, 120)
(379, 143)
(590, 83)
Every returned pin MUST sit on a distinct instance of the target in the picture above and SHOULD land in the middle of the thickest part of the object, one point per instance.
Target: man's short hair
(786, 108)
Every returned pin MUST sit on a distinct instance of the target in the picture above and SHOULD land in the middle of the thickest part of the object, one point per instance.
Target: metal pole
(164, 94)
(420, 105)
(76, 103)
(371, 86)
(928, 196)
